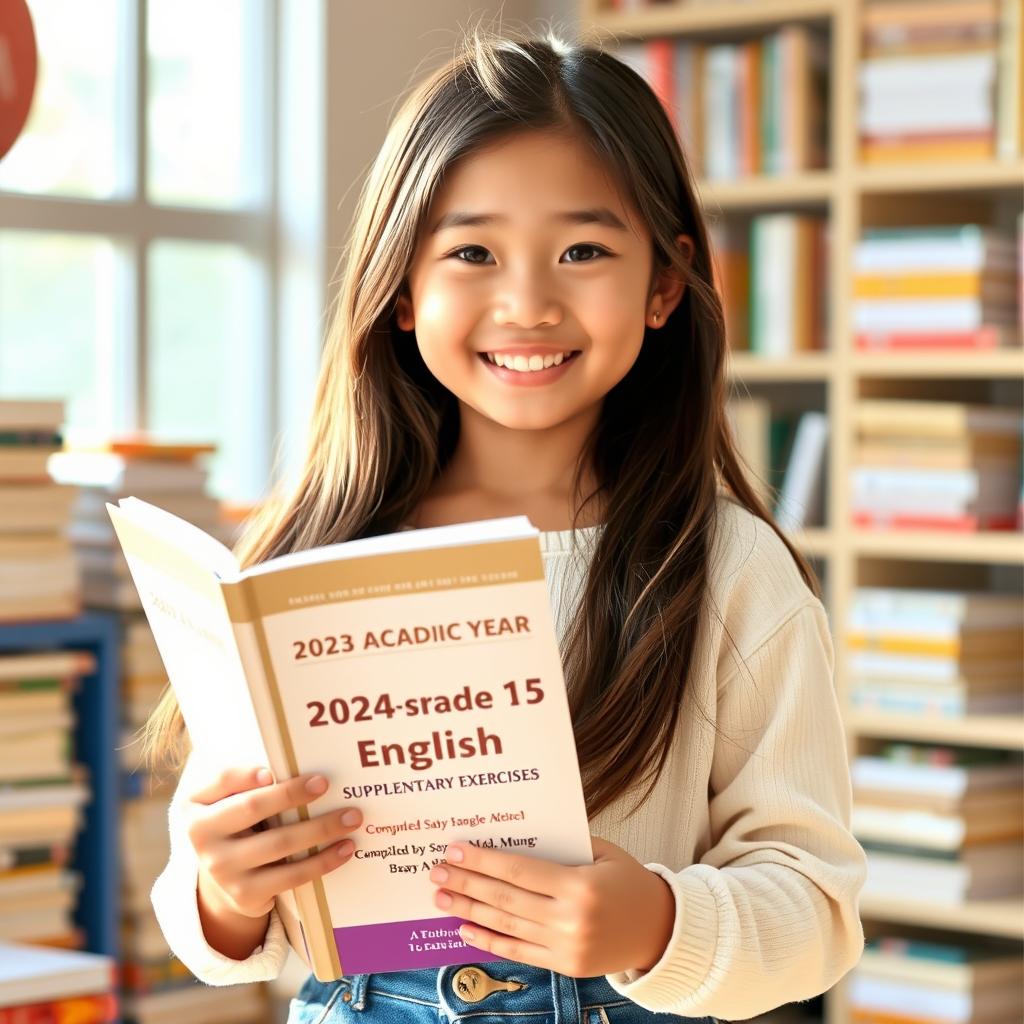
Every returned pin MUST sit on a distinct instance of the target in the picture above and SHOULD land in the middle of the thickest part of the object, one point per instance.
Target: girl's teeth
(526, 364)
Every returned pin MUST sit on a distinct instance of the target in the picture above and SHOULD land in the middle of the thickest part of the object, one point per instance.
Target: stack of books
(171, 475)
(934, 653)
(935, 465)
(941, 825)
(42, 793)
(39, 577)
(56, 986)
(929, 982)
(742, 108)
(948, 288)
(940, 82)
(773, 281)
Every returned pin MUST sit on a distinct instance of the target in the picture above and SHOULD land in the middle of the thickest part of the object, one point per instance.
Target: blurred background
(176, 185)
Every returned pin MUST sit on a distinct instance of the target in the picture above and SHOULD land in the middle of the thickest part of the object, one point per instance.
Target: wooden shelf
(717, 17)
(990, 917)
(995, 548)
(936, 177)
(745, 366)
(808, 188)
(999, 731)
(815, 541)
(991, 365)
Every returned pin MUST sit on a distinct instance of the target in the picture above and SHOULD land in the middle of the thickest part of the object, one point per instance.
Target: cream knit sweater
(748, 824)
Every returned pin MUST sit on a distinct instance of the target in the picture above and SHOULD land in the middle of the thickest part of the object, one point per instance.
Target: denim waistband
(461, 990)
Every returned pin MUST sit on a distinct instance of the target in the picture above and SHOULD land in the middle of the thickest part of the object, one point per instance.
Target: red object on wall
(17, 69)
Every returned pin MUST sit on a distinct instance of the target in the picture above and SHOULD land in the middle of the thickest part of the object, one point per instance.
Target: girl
(527, 324)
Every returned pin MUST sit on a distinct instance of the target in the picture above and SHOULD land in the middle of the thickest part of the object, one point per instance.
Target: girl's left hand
(580, 921)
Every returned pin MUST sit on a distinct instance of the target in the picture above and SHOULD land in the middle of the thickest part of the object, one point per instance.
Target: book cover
(418, 671)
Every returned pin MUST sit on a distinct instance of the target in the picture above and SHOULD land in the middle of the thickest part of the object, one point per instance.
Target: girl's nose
(528, 301)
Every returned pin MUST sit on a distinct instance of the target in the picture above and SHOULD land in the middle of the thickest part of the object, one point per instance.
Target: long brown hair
(383, 428)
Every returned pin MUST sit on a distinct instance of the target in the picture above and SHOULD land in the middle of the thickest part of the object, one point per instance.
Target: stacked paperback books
(772, 275)
(170, 474)
(935, 653)
(42, 793)
(928, 982)
(949, 288)
(941, 82)
(39, 577)
(742, 108)
(936, 465)
(56, 986)
(940, 825)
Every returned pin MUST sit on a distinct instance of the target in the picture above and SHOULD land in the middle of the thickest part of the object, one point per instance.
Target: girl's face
(529, 259)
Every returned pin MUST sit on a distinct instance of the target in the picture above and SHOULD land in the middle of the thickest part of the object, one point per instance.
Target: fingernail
(351, 818)
(317, 785)
(263, 777)
(453, 854)
(345, 848)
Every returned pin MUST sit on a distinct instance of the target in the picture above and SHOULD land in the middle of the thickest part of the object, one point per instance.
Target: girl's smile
(529, 367)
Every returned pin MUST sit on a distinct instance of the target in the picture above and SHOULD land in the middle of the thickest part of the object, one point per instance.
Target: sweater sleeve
(177, 911)
(769, 914)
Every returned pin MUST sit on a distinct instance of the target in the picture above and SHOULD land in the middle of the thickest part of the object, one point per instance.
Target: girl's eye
(476, 248)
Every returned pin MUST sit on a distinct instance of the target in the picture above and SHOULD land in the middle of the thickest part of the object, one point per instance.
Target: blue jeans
(468, 994)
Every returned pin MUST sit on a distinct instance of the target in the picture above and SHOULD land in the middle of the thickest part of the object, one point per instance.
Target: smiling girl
(527, 325)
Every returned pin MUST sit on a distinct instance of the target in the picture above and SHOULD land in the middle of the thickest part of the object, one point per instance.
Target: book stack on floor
(56, 986)
(940, 825)
(937, 288)
(935, 653)
(42, 793)
(914, 981)
(754, 106)
(935, 465)
(39, 576)
(773, 277)
(940, 82)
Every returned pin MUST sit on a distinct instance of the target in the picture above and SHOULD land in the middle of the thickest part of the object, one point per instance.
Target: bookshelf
(853, 196)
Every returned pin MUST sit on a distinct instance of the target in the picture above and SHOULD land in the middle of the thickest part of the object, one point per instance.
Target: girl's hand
(241, 861)
(582, 921)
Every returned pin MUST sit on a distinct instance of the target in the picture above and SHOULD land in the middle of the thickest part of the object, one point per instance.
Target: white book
(953, 780)
(800, 498)
(721, 152)
(929, 315)
(418, 671)
(920, 114)
(36, 974)
(926, 73)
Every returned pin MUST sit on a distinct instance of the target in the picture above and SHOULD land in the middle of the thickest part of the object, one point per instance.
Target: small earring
(657, 316)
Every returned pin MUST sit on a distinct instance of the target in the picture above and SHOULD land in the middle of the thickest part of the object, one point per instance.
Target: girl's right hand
(245, 865)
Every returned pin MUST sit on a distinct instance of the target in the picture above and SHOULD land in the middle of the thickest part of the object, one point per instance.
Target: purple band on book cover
(405, 946)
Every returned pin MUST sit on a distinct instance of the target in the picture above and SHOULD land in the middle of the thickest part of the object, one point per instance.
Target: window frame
(131, 222)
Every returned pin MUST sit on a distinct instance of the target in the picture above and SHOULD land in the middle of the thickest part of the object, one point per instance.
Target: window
(138, 231)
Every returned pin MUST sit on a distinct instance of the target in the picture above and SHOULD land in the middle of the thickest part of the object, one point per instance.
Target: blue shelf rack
(96, 734)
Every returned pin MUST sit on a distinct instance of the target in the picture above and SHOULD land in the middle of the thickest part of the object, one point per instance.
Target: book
(30, 974)
(418, 671)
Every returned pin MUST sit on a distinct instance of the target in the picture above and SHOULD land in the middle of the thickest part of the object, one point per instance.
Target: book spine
(304, 911)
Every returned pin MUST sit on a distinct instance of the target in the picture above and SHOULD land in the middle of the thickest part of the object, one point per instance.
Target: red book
(988, 337)
(957, 524)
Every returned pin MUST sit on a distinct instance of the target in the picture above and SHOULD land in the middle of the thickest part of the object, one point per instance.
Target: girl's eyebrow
(595, 215)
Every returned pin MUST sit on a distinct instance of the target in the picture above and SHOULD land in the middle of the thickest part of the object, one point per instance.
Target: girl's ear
(403, 311)
(669, 287)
